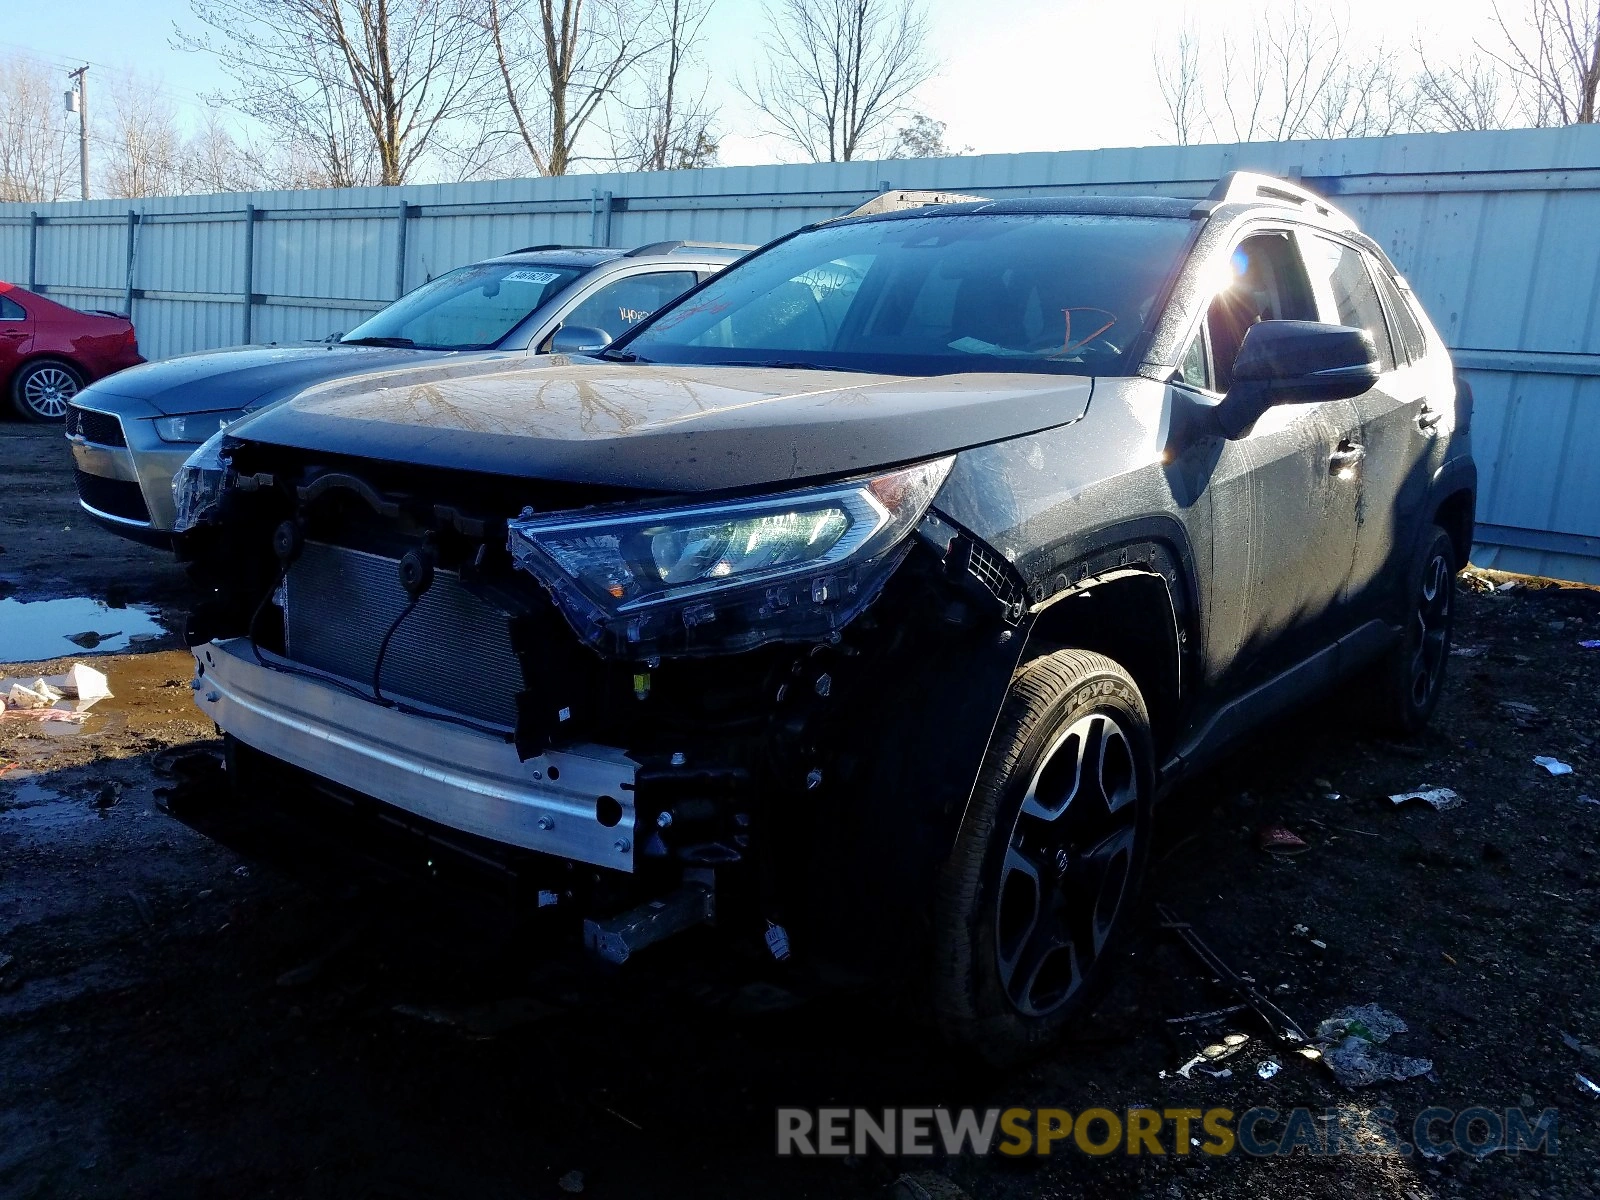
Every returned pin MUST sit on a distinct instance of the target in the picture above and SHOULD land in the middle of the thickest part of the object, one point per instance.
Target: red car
(49, 352)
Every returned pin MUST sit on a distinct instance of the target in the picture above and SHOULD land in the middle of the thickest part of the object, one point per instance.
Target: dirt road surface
(177, 1021)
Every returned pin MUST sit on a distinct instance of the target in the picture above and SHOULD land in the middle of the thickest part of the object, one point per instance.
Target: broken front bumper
(457, 776)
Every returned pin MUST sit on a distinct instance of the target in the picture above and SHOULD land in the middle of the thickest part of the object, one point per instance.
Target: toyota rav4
(862, 602)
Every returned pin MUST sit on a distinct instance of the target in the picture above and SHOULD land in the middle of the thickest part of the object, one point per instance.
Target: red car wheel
(42, 389)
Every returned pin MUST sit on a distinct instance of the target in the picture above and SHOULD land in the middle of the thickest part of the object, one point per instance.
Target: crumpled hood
(662, 428)
(248, 376)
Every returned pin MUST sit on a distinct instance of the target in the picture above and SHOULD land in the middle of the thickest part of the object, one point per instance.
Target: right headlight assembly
(716, 578)
(198, 486)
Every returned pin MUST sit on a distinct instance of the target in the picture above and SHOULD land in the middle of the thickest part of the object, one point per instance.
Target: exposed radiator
(453, 652)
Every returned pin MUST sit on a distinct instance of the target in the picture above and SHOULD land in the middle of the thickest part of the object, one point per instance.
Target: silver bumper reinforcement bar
(444, 772)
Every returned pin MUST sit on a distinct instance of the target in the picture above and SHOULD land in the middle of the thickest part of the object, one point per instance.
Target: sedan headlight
(195, 427)
(198, 487)
(716, 578)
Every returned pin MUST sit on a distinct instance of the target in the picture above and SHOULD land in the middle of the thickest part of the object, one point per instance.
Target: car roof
(1111, 206)
(589, 257)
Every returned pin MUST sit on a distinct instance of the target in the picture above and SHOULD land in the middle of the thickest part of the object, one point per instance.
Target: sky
(1016, 75)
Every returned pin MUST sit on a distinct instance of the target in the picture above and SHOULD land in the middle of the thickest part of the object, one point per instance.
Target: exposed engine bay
(470, 654)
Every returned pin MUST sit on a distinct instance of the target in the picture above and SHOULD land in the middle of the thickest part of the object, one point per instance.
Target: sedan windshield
(932, 296)
(467, 309)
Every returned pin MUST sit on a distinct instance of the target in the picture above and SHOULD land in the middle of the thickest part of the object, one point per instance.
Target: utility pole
(82, 93)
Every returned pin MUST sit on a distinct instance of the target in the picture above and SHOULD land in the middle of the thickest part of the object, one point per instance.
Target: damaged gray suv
(861, 603)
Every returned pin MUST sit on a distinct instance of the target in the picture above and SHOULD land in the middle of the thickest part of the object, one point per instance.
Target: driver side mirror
(578, 339)
(1295, 362)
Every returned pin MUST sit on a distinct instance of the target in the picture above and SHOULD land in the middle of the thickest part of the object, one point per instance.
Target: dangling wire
(383, 649)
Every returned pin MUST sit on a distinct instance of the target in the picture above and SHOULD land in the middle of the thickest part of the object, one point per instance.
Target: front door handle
(1346, 460)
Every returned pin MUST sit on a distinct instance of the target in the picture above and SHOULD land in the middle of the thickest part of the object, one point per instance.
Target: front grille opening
(114, 497)
(102, 429)
(452, 653)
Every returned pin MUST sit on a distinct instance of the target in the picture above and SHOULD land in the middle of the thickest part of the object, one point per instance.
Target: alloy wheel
(1067, 866)
(47, 390)
(1430, 630)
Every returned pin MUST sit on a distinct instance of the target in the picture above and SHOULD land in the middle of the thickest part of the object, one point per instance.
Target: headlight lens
(195, 427)
(198, 487)
(722, 577)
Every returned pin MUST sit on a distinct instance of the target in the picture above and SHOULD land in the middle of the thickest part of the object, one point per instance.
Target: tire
(1035, 841)
(41, 389)
(1403, 688)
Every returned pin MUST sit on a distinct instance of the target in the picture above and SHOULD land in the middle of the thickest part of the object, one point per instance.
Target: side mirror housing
(578, 339)
(1295, 362)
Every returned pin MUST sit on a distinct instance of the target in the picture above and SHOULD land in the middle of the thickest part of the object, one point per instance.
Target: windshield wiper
(399, 342)
(620, 356)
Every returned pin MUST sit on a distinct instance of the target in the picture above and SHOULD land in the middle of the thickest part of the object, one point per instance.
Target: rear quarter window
(1408, 330)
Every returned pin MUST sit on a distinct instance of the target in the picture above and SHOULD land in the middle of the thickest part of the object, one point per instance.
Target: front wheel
(1037, 892)
(41, 390)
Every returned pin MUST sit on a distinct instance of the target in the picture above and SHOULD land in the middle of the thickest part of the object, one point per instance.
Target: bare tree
(37, 161)
(1182, 87)
(1556, 53)
(140, 145)
(666, 123)
(1469, 93)
(568, 56)
(369, 86)
(216, 160)
(838, 70)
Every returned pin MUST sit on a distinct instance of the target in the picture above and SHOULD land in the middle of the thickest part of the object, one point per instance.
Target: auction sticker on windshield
(539, 277)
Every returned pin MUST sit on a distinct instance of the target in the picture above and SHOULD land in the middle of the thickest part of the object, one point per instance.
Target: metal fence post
(600, 208)
(402, 214)
(133, 243)
(249, 271)
(33, 250)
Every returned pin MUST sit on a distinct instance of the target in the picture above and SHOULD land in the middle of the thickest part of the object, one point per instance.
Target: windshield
(932, 296)
(471, 308)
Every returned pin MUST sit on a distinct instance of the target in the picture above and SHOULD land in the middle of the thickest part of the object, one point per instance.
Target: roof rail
(674, 247)
(547, 246)
(1238, 186)
(896, 200)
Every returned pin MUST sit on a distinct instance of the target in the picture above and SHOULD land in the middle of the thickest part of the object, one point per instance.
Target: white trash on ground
(1554, 765)
(1440, 798)
(66, 697)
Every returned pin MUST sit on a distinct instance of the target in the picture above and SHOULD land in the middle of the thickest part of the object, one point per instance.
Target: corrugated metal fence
(1498, 232)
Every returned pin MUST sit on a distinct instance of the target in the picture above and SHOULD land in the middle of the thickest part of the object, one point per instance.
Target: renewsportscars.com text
(1435, 1132)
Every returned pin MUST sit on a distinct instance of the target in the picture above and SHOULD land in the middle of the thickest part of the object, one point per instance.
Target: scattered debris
(108, 795)
(1280, 1023)
(89, 639)
(926, 1185)
(6, 960)
(1349, 1041)
(1276, 839)
(571, 1182)
(1466, 652)
(1554, 765)
(1523, 716)
(1216, 1052)
(1584, 798)
(65, 697)
(1442, 799)
(1269, 1068)
(1588, 1086)
(1590, 643)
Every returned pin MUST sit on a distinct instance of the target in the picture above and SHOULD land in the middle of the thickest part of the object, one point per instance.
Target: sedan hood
(248, 376)
(662, 428)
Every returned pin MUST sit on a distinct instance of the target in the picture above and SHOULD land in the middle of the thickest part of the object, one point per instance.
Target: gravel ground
(176, 1020)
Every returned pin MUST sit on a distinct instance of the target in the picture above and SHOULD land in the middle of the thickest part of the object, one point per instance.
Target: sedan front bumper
(126, 486)
(445, 772)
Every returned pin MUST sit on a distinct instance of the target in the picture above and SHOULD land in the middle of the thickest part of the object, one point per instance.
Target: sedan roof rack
(898, 199)
(674, 247)
(547, 246)
(1241, 186)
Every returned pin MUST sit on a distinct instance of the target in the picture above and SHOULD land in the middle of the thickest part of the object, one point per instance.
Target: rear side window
(618, 306)
(1343, 269)
(1408, 331)
(10, 310)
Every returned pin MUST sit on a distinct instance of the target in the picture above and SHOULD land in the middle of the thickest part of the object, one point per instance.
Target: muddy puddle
(28, 804)
(33, 631)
